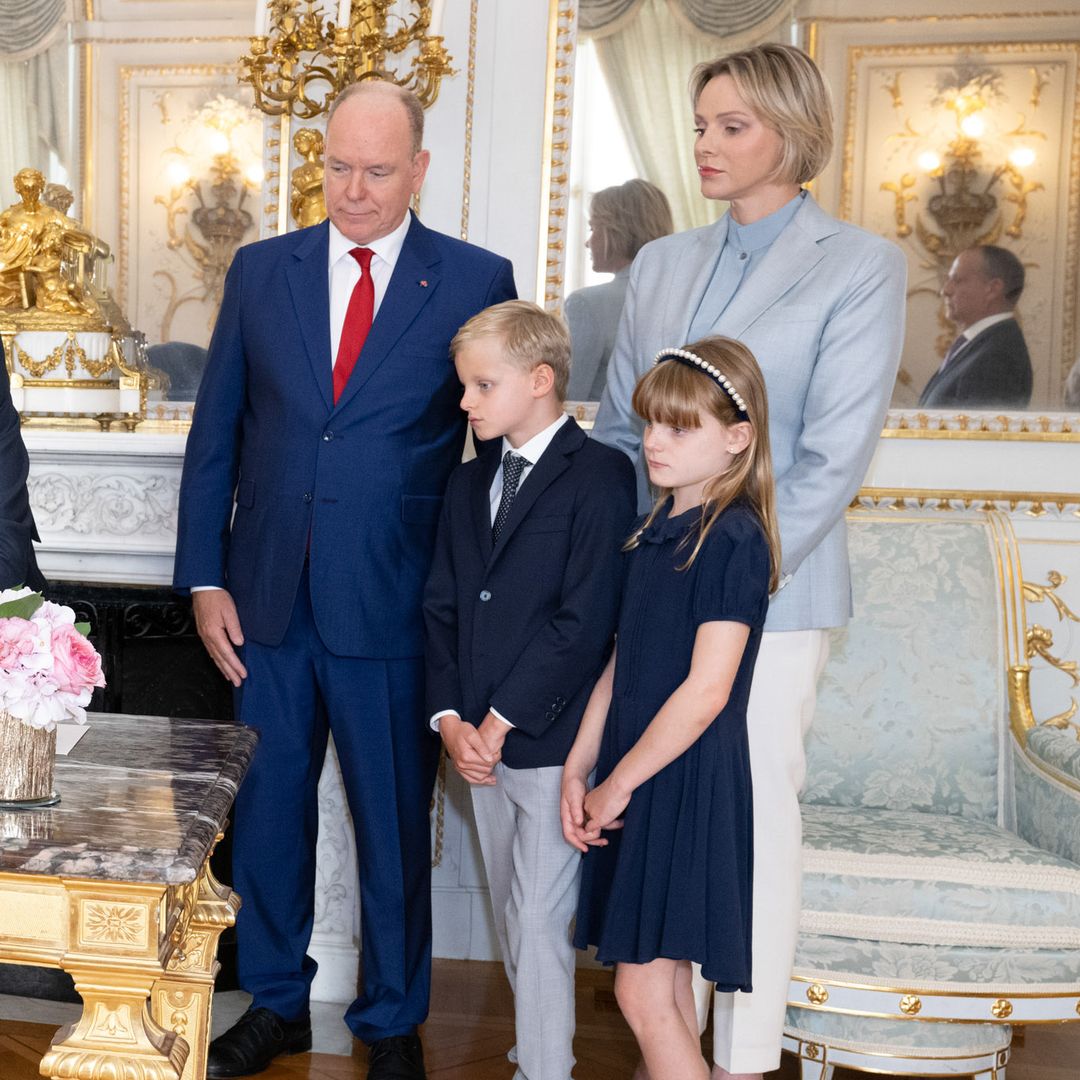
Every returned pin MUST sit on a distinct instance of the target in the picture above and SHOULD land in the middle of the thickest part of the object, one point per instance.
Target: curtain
(728, 19)
(27, 28)
(647, 56)
(34, 84)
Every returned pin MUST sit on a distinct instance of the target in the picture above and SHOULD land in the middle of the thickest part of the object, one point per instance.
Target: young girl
(665, 727)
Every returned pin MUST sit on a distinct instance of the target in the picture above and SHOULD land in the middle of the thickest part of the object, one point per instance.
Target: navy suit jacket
(359, 483)
(526, 626)
(993, 370)
(18, 565)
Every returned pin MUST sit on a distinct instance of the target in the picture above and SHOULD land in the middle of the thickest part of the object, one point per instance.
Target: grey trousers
(533, 875)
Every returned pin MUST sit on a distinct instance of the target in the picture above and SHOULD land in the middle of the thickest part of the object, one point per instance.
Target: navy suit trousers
(296, 693)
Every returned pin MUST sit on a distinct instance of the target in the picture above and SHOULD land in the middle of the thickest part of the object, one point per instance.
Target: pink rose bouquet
(48, 668)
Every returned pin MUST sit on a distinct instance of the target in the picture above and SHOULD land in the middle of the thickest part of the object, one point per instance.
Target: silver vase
(26, 764)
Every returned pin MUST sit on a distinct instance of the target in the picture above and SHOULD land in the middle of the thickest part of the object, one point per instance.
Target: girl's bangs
(672, 394)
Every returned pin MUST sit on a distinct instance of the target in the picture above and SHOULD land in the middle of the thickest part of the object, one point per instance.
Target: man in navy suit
(18, 565)
(325, 428)
(987, 366)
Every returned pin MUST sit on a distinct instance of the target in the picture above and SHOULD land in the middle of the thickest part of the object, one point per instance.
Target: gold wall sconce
(210, 173)
(983, 156)
(300, 59)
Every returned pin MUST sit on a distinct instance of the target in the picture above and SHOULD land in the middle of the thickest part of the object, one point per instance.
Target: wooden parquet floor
(471, 1028)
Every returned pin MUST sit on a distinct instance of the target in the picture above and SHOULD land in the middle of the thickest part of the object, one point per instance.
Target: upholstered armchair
(941, 831)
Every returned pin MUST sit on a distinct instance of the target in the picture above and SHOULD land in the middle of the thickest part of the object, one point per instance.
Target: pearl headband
(685, 356)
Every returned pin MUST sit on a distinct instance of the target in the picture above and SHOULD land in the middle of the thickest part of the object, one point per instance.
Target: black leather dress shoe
(400, 1057)
(253, 1042)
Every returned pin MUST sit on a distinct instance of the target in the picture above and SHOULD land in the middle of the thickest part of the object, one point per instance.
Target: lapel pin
(423, 284)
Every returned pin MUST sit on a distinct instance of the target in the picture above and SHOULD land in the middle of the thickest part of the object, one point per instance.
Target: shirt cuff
(499, 716)
(433, 723)
(206, 588)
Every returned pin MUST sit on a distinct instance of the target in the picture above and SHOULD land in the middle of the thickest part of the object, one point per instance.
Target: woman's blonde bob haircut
(626, 217)
(784, 88)
(679, 394)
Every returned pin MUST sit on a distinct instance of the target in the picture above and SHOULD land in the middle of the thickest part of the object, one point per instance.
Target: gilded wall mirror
(938, 147)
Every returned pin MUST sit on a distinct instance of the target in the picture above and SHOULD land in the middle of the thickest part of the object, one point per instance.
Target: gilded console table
(113, 886)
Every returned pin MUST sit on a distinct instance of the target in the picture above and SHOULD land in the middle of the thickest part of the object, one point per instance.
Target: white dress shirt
(531, 452)
(344, 273)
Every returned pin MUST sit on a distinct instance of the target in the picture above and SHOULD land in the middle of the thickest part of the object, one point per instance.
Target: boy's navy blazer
(526, 626)
(359, 483)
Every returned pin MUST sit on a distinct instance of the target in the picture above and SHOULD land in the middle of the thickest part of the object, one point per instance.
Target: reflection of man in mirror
(622, 220)
(988, 365)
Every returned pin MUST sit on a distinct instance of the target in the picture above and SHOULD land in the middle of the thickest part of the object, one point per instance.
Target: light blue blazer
(824, 315)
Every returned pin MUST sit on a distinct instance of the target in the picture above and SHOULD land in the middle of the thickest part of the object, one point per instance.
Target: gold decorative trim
(1040, 641)
(1001, 1009)
(555, 163)
(281, 161)
(817, 994)
(1035, 594)
(911, 1005)
(470, 98)
(1033, 427)
(1035, 503)
(813, 1051)
(856, 53)
(927, 994)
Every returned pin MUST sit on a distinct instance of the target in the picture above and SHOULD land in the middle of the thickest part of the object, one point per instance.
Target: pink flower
(22, 645)
(76, 666)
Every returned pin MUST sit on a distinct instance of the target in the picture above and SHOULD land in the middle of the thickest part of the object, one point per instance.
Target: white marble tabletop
(141, 799)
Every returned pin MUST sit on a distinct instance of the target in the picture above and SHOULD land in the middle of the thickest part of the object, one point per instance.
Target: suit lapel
(692, 279)
(413, 283)
(309, 284)
(483, 478)
(790, 257)
(553, 463)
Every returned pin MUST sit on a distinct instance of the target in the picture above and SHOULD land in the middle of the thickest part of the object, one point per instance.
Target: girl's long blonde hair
(678, 393)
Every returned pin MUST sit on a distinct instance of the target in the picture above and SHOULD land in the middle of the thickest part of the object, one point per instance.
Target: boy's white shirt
(531, 452)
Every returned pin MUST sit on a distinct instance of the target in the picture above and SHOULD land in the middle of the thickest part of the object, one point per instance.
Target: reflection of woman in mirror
(622, 220)
(821, 305)
(308, 204)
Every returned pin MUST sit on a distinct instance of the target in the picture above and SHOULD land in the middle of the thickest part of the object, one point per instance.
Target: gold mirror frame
(551, 246)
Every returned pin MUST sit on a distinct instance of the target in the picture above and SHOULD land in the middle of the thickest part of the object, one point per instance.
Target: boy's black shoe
(249, 1046)
(399, 1057)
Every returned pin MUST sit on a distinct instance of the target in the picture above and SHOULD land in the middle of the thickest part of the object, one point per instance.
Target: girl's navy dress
(675, 881)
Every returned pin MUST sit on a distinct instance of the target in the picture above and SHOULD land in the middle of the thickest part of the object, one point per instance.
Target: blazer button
(485, 595)
(307, 496)
(549, 717)
(328, 436)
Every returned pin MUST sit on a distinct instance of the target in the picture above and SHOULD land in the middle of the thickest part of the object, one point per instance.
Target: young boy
(519, 612)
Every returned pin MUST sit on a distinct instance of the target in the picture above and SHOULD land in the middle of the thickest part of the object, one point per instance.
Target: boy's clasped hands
(475, 751)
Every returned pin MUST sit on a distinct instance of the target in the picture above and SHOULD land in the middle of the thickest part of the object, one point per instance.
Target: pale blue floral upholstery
(1047, 810)
(882, 1036)
(911, 879)
(945, 967)
(1058, 749)
(919, 668)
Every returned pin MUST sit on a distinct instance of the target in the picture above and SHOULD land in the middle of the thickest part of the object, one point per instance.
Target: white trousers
(533, 875)
(748, 1028)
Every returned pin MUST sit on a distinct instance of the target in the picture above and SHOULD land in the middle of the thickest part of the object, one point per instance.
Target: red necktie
(358, 317)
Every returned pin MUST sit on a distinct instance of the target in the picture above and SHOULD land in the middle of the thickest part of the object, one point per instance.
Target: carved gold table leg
(113, 955)
(116, 1038)
(181, 999)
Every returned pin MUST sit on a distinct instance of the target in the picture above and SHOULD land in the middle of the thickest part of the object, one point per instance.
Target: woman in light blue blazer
(821, 304)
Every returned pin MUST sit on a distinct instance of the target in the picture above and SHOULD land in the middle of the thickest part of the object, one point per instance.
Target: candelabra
(300, 60)
(218, 224)
(964, 207)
